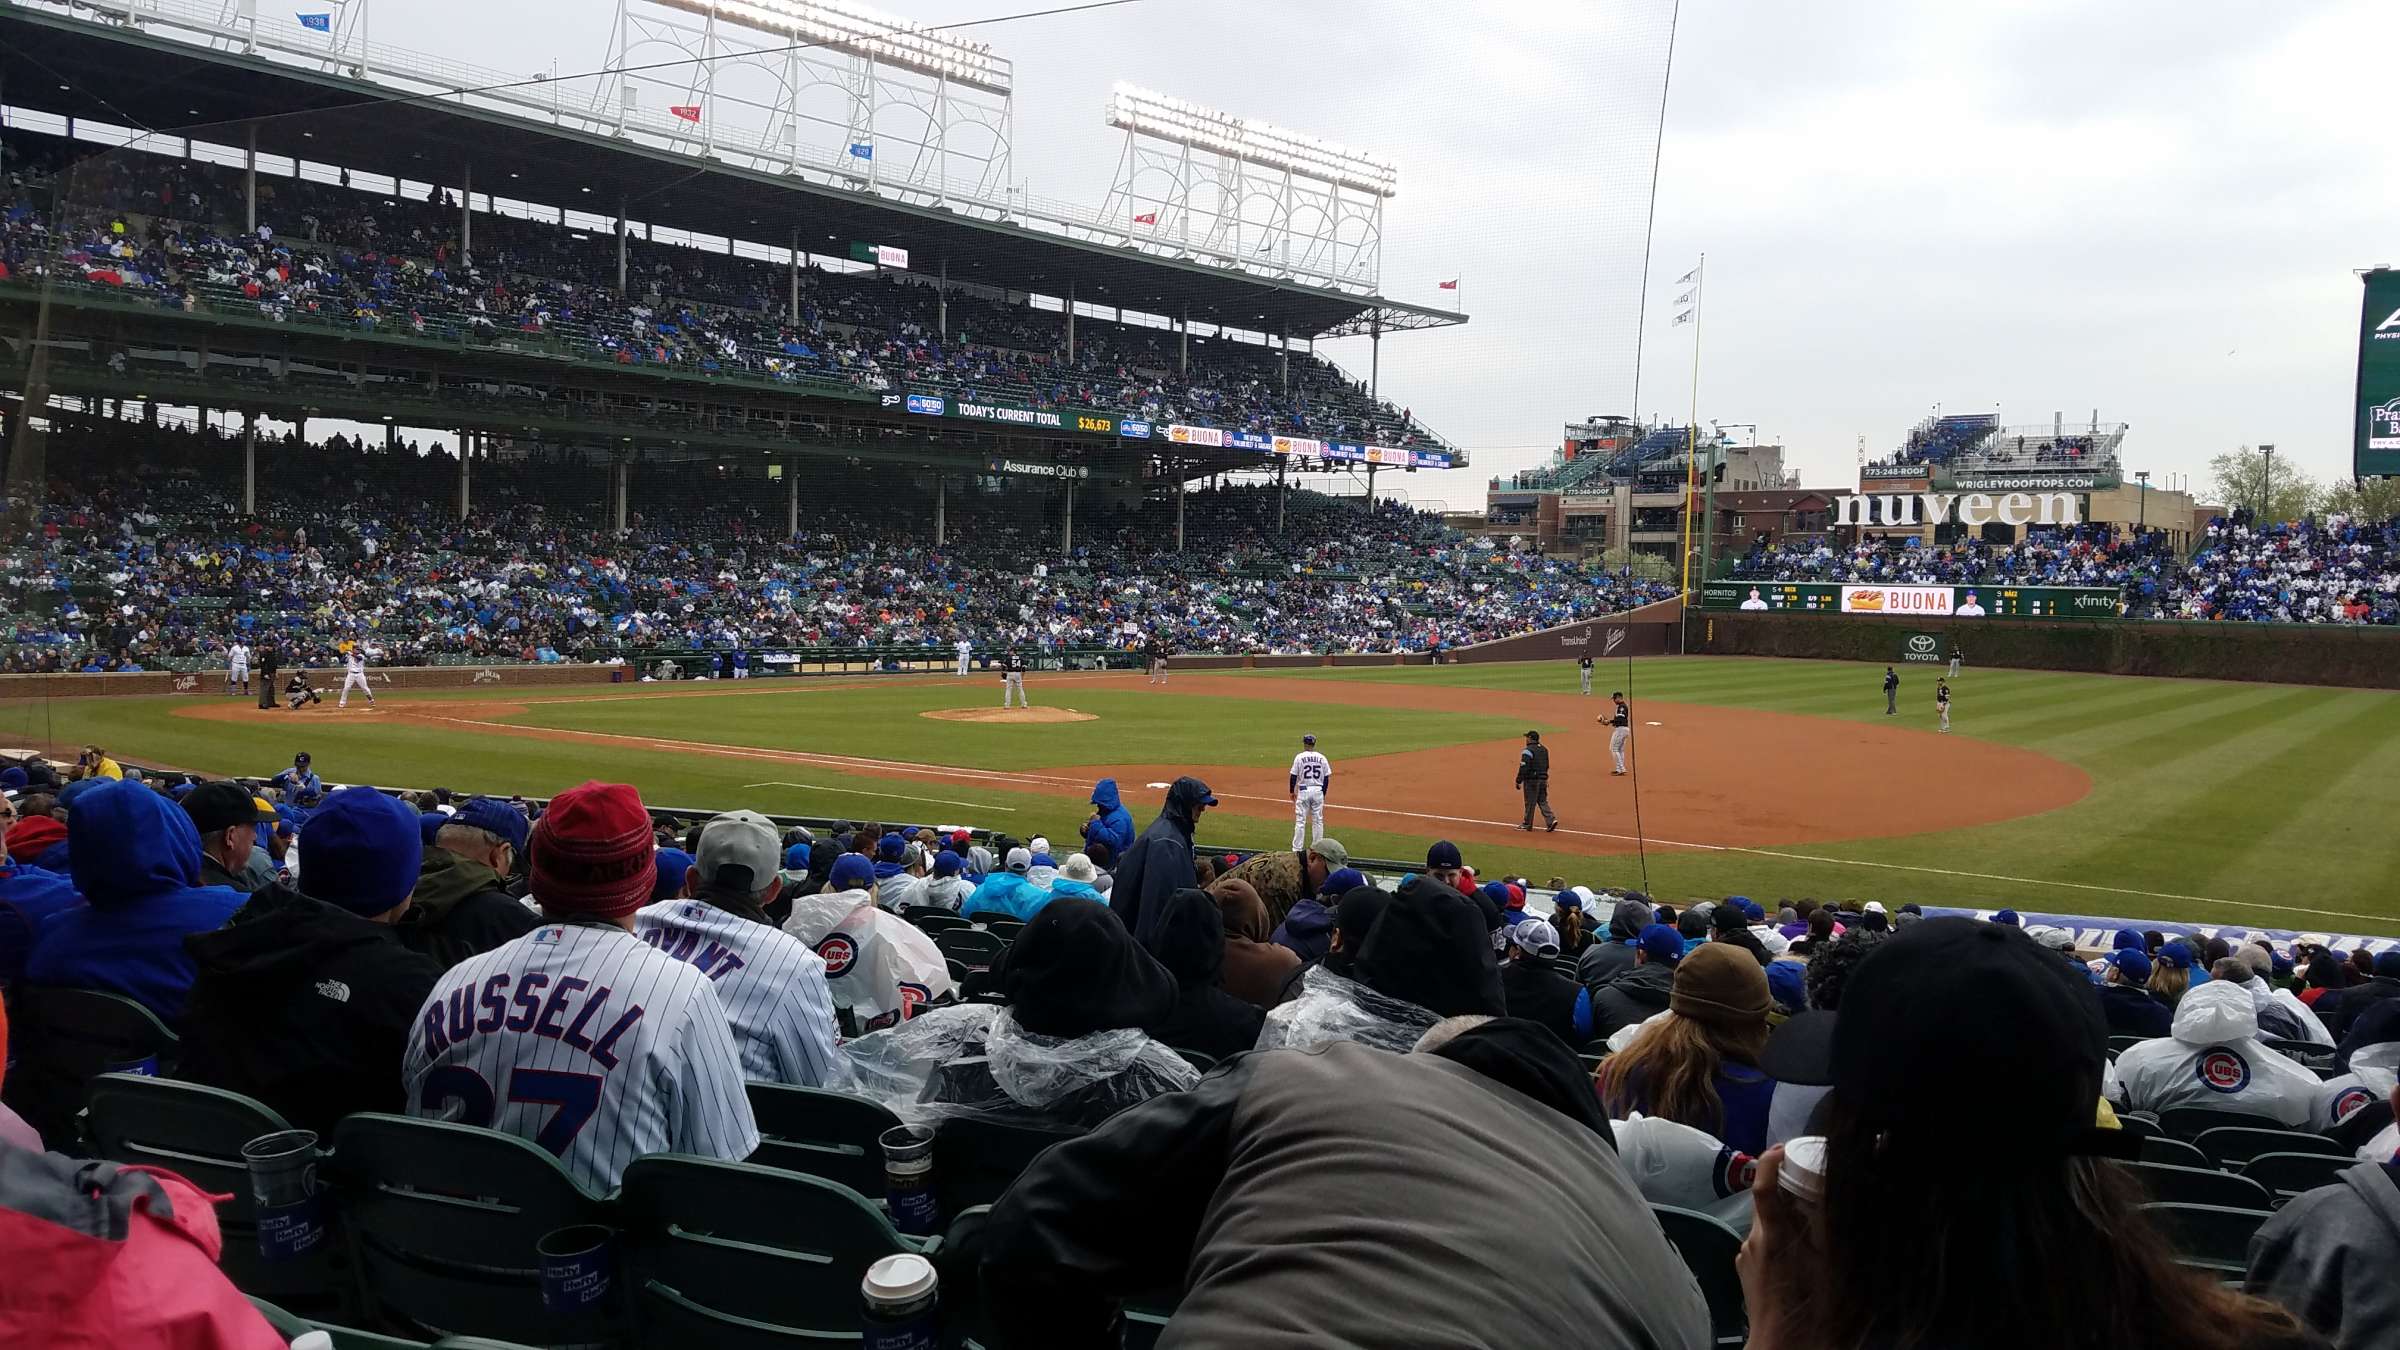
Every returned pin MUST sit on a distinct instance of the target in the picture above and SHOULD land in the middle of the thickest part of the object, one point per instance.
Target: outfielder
(579, 1035)
(1620, 730)
(237, 667)
(1012, 679)
(965, 648)
(354, 676)
(1586, 665)
(1956, 655)
(1941, 701)
(1311, 779)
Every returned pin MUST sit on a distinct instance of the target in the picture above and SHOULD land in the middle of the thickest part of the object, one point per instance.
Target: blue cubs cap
(2128, 939)
(2007, 916)
(851, 871)
(505, 819)
(2130, 962)
(1308, 739)
(890, 848)
(673, 864)
(362, 851)
(1660, 943)
(430, 824)
(1443, 854)
(2176, 955)
(947, 864)
(795, 858)
(1340, 881)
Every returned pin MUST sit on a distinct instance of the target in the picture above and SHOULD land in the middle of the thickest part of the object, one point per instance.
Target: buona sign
(1972, 508)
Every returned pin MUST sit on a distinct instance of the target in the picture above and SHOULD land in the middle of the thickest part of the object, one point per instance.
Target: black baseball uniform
(1891, 691)
(268, 659)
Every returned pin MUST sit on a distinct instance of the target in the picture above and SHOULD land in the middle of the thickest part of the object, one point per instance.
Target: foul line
(1037, 780)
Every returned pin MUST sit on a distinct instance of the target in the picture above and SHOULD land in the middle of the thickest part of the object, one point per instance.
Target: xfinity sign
(1971, 509)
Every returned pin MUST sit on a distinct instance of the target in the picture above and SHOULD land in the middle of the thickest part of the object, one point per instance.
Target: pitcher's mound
(1009, 715)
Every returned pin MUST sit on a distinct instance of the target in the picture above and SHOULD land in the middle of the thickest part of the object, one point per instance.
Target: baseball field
(2238, 804)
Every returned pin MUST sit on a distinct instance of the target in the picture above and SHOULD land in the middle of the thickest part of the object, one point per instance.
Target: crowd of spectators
(1921, 1094)
(2334, 570)
(142, 558)
(173, 230)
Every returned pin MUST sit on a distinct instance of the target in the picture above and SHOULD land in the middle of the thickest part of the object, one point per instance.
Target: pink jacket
(104, 1257)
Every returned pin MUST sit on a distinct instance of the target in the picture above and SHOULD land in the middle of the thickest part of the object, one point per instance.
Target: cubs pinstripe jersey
(1310, 769)
(772, 986)
(588, 1041)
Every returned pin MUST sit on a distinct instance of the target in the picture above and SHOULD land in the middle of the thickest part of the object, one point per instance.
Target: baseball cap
(1535, 937)
(890, 848)
(592, 852)
(2127, 938)
(362, 851)
(1959, 1038)
(1661, 943)
(1332, 852)
(1443, 853)
(1308, 739)
(221, 806)
(851, 872)
(947, 864)
(673, 863)
(2130, 962)
(1020, 860)
(1573, 897)
(301, 759)
(1341, 881)
(2006, 916)
(505, 819)
(2175, 955)
(739, 851)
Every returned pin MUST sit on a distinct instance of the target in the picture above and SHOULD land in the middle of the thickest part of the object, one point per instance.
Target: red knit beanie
(33, 836)
(593, 853)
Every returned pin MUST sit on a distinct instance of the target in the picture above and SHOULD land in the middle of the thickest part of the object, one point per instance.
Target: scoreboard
(1918, 602)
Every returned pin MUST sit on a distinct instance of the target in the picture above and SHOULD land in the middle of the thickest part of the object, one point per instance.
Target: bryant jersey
(1311, 770)
(589, 1042)
(772, 986)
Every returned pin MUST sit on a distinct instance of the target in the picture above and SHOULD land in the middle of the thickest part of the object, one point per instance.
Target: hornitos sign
(1970, 509)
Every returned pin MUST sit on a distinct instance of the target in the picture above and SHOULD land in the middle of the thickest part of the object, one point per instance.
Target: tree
(2272, 487)
(2368, 499)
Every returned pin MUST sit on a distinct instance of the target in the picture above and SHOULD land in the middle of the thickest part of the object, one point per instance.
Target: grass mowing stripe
(2090, 728)
(2343, 824)
(2311, 766)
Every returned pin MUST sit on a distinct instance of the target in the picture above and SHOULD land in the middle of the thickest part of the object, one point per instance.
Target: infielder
(1620, 730)
(579, 1035)
(965, 648)
(237, 667)
(1941, 701)
(354, 676)
(1586, 665)
(1158, 660)
(1012, 679)
(1311, 779)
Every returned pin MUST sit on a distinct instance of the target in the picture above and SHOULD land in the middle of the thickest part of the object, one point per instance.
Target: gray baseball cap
(1332, 852)
(739, 851)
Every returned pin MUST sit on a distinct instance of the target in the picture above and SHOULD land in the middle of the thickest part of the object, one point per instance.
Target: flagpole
(1691, 432)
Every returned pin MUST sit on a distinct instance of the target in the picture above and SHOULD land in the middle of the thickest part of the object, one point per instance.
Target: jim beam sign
(1971, 509)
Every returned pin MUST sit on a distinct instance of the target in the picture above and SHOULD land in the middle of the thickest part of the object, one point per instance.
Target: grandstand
(1973, 449)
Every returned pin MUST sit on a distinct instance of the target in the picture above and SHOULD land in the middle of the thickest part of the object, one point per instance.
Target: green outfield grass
(2214, 802)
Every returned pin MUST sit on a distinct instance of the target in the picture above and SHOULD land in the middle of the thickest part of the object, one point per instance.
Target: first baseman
(1311, 779)
(1620, 730)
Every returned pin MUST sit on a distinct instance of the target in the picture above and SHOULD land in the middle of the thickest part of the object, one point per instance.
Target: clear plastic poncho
(973, 1059)
(1334, 1008)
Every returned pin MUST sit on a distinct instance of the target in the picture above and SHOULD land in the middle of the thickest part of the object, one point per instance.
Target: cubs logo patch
(2221, 1070)
(838, 952)
(1734, 1173)
(2349, 1102)
(913, 997)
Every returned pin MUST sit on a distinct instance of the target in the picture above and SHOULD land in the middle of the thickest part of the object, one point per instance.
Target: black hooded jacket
(1075, 970)
(1431, 948)
(1190, 942)
(304, 1006)
(1160, 862)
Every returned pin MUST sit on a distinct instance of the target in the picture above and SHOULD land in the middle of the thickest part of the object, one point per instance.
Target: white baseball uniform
(354, 676)
(588, 1041)
(1312, 773)
(964, 648)
(772, 986)
(237, 665)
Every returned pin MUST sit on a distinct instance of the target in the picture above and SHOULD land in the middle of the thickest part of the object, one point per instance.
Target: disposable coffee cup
(1802, 1176)
(908, 1179)
(283, 1186)
(578, 1269)
(903, 1305)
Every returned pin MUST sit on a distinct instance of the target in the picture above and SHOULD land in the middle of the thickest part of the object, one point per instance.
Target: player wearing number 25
(305, 998)
(579, 1035)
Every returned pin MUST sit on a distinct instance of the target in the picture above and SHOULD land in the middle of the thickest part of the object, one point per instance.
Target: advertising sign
(1098, 422)
(1954, 602)
(1921, 647)
(930, 405)
(2377, 447)
(1933, 600)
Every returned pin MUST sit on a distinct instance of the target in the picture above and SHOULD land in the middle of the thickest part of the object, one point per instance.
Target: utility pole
(2266, 483)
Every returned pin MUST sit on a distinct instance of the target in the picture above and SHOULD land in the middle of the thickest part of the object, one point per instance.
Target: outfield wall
(2351, 655)
(212, 682)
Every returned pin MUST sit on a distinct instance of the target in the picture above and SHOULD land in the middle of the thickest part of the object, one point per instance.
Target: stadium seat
(2307, 1052)
(2229, 1146)
(1004, 929)
(2174, 1152)
(1197, 1059)
(974, 1160)
(936, 921)
(982, 986)
(2117, 1043)
(2167, 1182)
(443, 1220)
(2289, 1174)
(198, 1133)
(974, 948)
(1708, 1248)
(2212, 1238)
(2138, 1125)
(65, 1038)
(292, 1327)
(736, 1257)
(2190, 1122)
(834, 1135)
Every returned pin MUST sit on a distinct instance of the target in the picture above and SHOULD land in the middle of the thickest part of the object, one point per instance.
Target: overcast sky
(2151, 208)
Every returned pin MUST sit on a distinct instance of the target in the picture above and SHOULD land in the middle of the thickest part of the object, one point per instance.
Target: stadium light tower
(1247, 192)
(873, 99)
